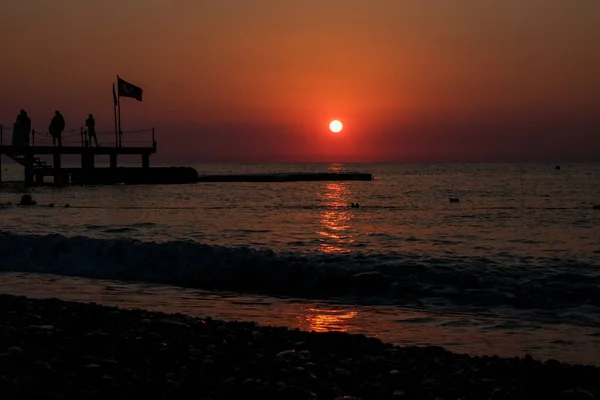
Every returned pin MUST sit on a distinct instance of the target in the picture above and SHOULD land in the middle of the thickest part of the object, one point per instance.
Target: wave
(391, 278)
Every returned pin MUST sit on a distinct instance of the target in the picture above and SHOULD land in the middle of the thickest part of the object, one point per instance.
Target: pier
(42, 159)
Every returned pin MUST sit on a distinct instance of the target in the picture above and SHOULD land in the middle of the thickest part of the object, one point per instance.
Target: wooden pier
(36, 169)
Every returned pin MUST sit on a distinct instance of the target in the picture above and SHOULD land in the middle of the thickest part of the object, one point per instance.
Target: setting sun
(335, 126)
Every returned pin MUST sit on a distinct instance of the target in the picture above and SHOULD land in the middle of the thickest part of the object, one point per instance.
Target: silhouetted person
(91, 128)
(57, 125)
(21, 129)
(24, 123)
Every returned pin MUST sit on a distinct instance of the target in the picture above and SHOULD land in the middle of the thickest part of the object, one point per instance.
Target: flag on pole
(126, 89)
(115, 96)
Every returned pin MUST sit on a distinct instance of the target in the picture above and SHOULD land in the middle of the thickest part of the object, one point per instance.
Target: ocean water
(510, 268)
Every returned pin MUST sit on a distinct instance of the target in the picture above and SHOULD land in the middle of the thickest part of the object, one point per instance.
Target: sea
(482, 259)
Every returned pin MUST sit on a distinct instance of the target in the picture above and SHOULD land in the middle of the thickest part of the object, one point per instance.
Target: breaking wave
(392, 278)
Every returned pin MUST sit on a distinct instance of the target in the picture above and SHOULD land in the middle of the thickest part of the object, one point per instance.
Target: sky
(260, 80)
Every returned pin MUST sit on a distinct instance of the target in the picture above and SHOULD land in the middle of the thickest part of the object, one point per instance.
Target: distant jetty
(288, 177)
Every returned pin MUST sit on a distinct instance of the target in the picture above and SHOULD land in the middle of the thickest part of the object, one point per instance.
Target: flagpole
(115, 101)
(120, 131)
(119, 107)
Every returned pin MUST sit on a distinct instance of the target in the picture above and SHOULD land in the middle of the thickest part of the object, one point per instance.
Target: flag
(126, 89)
(115, 96)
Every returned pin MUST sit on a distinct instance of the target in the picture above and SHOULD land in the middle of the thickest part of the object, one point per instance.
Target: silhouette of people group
(22, 129)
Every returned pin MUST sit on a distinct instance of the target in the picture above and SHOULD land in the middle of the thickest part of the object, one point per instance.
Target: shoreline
(466, 333)
(54, 347)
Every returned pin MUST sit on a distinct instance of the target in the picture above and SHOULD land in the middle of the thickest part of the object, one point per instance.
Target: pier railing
(79, 137)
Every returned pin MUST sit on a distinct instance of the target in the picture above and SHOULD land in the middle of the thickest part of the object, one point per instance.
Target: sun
(335, 126)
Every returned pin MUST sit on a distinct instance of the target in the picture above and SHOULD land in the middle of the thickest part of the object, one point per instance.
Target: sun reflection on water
(336, 219)
(326, 320)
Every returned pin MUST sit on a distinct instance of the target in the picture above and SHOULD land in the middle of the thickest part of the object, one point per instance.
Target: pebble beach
(52, 349)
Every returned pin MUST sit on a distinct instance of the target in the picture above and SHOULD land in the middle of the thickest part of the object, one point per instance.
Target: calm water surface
(504, 210)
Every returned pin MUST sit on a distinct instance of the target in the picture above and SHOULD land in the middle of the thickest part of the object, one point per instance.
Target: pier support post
(145, 160)
(87, 160)
(87, 165)
(113, 160)
(29, 168)
(1, 144)
(57, 167)
(1, 140)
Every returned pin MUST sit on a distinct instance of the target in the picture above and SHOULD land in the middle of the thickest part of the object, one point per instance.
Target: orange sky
(412, 80)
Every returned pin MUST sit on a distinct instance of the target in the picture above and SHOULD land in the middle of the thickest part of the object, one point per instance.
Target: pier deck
(75, 142)
(98, 151)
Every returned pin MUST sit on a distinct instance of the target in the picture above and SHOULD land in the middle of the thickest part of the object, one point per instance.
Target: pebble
(41, 366)
(286, 353)
(429, 382)
(173, 324)
(304, 355)
(154, 336)
(579, 394)
(12, 350)
(194, 352)
(9, 330)
(42, 327)
(342, 373)
(208, 362)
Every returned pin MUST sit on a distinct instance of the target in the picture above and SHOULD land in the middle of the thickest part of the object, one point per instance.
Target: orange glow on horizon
(239, 79)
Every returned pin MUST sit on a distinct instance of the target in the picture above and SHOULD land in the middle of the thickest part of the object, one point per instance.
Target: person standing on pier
(57, 125)
(21, 129)
(91, 128)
